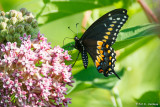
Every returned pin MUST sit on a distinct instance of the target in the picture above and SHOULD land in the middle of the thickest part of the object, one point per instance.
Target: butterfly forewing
(99, 38)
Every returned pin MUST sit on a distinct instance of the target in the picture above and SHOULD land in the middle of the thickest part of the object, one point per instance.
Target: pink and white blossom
(34, 74)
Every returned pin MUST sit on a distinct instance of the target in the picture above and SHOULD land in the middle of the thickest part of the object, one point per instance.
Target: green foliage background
(138, 44)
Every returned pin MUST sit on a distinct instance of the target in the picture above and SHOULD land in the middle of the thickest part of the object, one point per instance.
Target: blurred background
(137, 48)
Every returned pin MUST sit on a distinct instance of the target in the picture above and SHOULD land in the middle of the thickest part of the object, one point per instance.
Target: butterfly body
(82, 50)
(98, 39)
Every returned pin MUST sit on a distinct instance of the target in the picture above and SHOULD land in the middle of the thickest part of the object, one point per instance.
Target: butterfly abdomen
(82, 50)
(84, 58)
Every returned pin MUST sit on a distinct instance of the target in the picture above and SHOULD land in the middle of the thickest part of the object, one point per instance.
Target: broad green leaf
(149, 99)
(56, 9)
(82, 86)
(131, 35)
(132, 48)
(108, 82)
(91, 79)
(91, 97)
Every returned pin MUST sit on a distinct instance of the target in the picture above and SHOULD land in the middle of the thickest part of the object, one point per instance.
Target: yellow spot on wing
(99, 47)
(109, 63)
(104, 40)
(101, 57)
(110, 69)
(110, 58)
(106, 37)
(110, 29)
(108, 33)
(98, 59)
(97, 63)
(107, 46)
(109, 51)
(112, 25)
(98, 52)
(101, 51)
(99, 43)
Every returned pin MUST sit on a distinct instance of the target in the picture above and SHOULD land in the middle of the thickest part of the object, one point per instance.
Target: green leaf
(82, 86)
(91, 79)
(91, 97)
(108, 82)
(149, 99)
(56, 9)
(131, 35)
(132, 48)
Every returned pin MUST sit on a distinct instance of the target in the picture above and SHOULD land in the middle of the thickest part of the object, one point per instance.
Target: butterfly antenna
(116, 75)
(71, 30)
(77, 28)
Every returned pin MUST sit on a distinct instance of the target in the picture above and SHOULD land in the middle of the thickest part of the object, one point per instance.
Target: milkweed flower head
(34, 74)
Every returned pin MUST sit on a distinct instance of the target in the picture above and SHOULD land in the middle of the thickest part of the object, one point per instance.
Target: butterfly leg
(115, 74)
(76, 59)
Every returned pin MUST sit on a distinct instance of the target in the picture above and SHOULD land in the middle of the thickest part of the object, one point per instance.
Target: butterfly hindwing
(105, 60)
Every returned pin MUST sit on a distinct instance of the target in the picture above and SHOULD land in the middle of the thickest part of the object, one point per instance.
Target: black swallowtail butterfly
(98, 39)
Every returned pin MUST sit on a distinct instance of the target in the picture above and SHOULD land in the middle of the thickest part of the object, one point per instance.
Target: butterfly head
(76, 42)
(76, 38)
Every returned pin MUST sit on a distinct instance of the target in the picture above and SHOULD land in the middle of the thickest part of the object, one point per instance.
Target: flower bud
(9, 38)
(27, 27)
(3, 25)
(33, 33)
(1, 39)
(28, 13)
(7, 14)
(19, 16)
(23, 10)
(13, 20)
(3, 33)
(5, 19)
(34, 23)
(29, 19)
(11, 29)
(2, 13)
(1, 19)
(13, 13)
(16, 36)
(20, 29)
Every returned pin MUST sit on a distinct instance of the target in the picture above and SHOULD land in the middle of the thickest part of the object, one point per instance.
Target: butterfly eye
(76, 38)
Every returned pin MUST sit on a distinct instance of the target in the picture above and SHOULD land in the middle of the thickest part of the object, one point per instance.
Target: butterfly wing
(99, 38)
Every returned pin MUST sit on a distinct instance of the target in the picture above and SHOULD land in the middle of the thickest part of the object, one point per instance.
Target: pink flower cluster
(34, 74)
